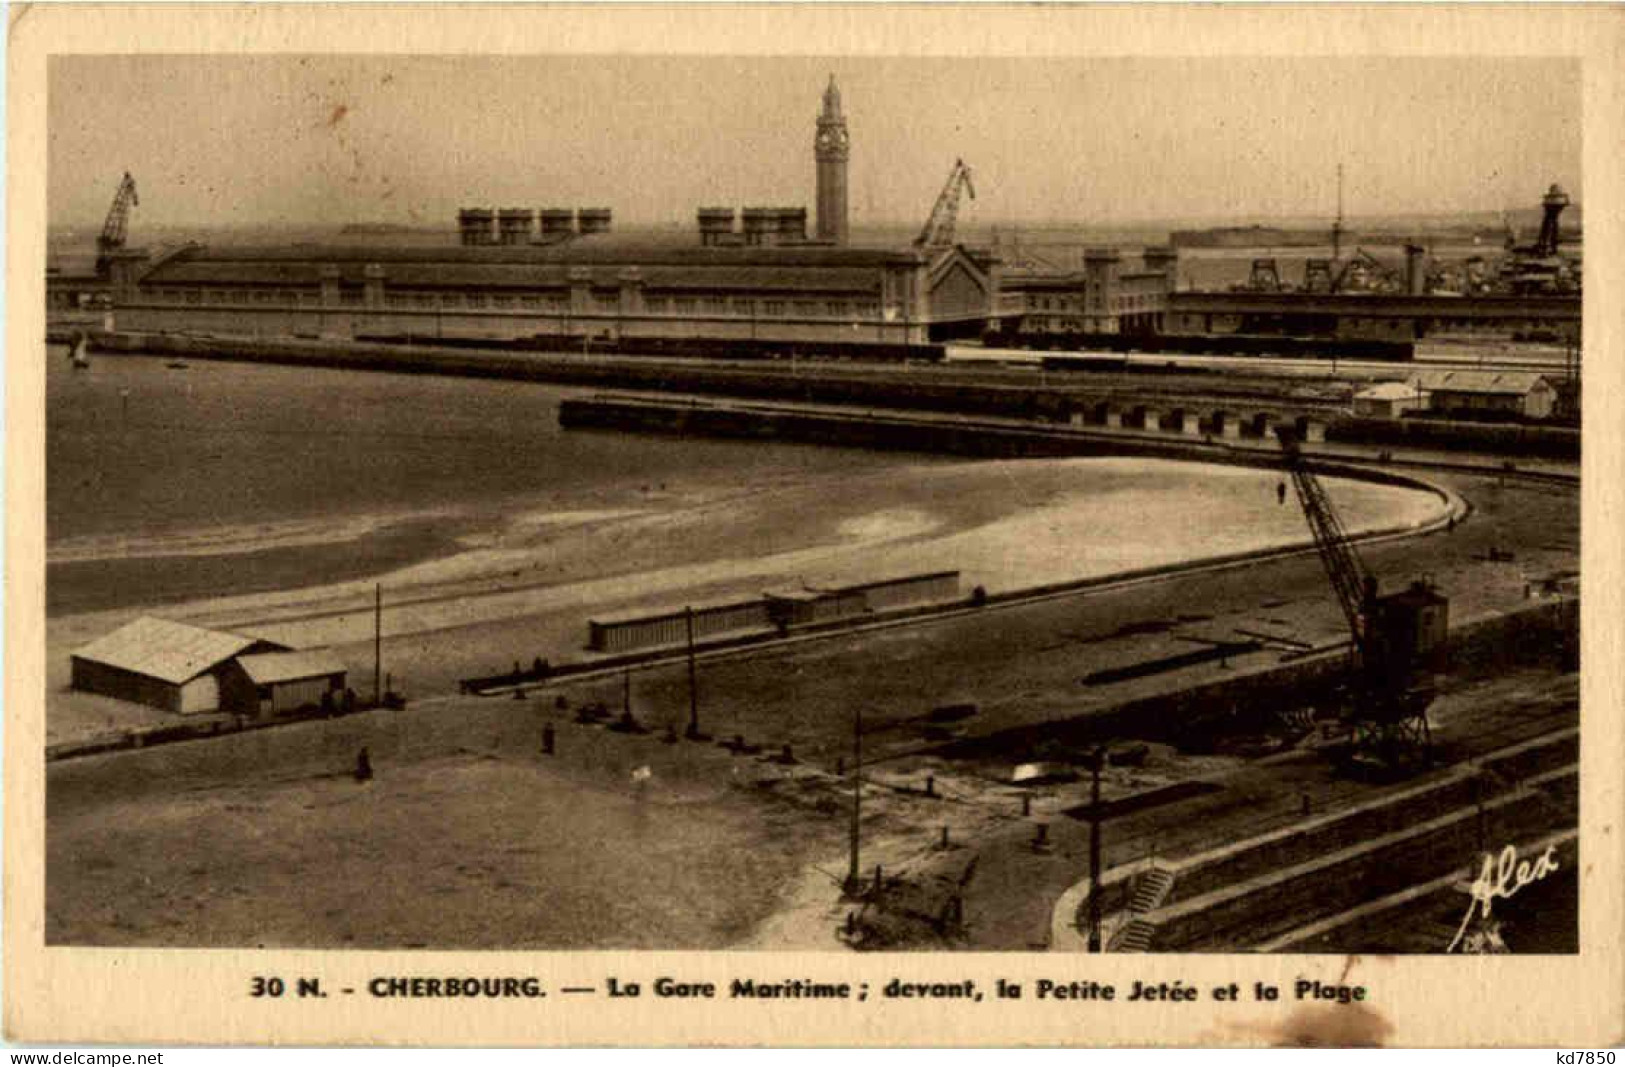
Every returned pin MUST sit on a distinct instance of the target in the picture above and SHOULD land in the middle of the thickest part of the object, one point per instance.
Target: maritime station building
(562, 277)
(599, 287)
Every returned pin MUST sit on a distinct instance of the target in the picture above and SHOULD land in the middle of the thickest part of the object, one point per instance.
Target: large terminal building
(563, 276)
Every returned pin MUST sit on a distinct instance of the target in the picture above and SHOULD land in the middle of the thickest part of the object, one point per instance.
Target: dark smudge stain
(338, 114)
(1331, 1026)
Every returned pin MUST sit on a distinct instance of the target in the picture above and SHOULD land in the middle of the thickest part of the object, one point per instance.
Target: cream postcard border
(59, 995)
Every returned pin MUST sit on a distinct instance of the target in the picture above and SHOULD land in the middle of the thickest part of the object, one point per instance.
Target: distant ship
(373, 229)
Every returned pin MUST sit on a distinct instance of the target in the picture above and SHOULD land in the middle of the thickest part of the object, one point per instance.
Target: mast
(1337, 226)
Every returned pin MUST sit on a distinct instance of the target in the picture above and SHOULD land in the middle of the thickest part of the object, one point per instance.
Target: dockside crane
(1395, 639)
(939, 228)
(111, 238)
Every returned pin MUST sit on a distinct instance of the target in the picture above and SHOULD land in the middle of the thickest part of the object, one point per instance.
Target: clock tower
(832, 148)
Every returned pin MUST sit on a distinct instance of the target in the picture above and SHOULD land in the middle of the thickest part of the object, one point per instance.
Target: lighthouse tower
(832, 148)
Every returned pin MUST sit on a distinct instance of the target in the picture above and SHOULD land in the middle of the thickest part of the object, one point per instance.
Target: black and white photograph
(830, 503)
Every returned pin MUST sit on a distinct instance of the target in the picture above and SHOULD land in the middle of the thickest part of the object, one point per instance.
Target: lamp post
(853, 882)
(693, 689)
(1095, 762)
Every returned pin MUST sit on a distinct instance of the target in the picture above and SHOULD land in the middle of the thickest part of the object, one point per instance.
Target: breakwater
(954, 436)
(922, 388)
(913, 387)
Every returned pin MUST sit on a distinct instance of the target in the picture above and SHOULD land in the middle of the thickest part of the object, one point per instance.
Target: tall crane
(939, 228)
(118, 217)
(1393, 637)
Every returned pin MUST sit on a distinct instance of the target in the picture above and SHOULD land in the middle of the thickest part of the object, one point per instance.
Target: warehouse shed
(1467, 393)
(275, 683)
(162, 663)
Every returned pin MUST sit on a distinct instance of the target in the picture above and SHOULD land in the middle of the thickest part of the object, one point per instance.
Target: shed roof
(1517, 383)
(587, 251)
(268, 668)
(173, 652)
(1389, 391)
(790, 276)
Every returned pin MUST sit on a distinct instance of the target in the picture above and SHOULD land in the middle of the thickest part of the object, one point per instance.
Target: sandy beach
(526, 584)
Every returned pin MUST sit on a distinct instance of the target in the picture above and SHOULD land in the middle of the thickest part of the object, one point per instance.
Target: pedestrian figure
(1280, 493)
(363, 766)
(1450, 524)
(547, 739)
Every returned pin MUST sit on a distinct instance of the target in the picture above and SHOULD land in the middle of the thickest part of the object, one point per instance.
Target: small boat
(177, 364)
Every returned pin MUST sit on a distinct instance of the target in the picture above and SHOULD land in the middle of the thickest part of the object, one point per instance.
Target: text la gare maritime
(1044, 989)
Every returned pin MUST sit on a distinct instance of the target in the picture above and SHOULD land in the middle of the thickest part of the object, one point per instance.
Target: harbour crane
(939, 228)
(1394, 638)
(118, 217)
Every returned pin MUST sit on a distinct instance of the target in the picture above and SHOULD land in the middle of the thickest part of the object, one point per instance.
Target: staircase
(1281, 886)
(1150, 890)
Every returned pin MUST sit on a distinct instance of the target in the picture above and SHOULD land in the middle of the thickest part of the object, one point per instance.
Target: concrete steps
(1447, 887)
(1257, 910)
(1147, 892)
(1152, 889)
(1249, 892)
(1246, 892)
(1383, 815)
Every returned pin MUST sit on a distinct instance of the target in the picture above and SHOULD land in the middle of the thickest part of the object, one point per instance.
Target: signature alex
(1502, 876)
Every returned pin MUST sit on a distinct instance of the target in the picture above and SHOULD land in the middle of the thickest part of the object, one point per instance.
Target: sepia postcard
(814, 525)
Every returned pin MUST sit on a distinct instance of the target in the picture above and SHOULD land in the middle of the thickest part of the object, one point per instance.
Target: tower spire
(832, 100)
(830, 149)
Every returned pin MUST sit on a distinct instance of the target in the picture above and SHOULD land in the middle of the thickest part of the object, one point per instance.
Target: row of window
(1043, 324)
(602, 303)
(742, 306)
(1139, 302)
(1129, 302)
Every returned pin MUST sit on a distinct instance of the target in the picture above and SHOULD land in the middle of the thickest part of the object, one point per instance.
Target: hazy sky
(245, 140)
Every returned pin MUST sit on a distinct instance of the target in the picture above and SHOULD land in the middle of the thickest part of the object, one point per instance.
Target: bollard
(1040, 836)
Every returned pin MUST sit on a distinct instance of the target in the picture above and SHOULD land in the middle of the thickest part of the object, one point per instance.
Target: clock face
(832, 139)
